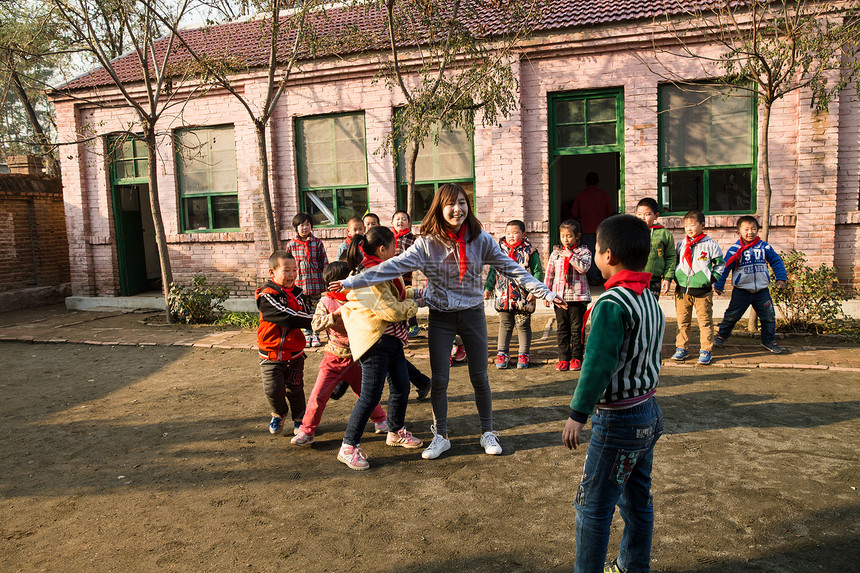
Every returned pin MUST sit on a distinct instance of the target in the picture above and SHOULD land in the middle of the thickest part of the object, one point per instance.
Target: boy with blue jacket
(748, 259)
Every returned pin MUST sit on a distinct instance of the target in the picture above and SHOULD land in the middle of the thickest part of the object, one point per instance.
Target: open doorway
(569, 178)
(137, 254)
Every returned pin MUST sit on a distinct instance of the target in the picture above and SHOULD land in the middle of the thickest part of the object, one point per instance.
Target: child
(337, 364)
(700, 264)
(370, 220)
(748, 260)
(355, 226)
(620, 376)
(566, 274)
(310, 256)
(452, 251)
(661, 261)
(374, 317)
(403, 239)
(281, 342)
(514, 305)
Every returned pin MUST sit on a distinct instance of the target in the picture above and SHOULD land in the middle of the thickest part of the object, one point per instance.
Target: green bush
(812, 299)
(250, 320)
(196, 304)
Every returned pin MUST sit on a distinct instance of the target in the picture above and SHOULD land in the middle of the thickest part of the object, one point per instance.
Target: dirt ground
(158, 459)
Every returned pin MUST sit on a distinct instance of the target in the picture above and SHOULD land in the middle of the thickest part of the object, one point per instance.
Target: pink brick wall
(814, 160)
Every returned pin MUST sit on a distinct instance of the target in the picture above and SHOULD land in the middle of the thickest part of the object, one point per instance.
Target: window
(206, 168)
(129, 160)
(332, 165)
(450, 160)
(707, 149)
(587, 121)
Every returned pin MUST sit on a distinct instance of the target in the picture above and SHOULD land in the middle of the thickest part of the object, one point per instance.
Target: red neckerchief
(512, 248)
(637, 282)
(305, 243)
(371, 261)
(398, 234)
(348, 240)
(565, 267)
(463, 259)
(656, 226)
(736, 257)
(341, 296)
(688, 251)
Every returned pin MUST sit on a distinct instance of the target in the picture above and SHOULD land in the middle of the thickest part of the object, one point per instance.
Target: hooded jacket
(282, 316)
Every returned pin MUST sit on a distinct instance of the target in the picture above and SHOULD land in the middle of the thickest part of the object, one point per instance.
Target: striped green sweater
(622, 356)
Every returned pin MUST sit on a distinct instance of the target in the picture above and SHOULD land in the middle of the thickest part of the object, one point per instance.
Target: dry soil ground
(158, 459)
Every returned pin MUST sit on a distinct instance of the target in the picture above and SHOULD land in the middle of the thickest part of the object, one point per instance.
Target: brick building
(590, 100)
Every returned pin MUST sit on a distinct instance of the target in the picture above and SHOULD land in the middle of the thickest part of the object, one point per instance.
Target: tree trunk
(411, 160)
(52, 166)
(271, 230)
(155, 206)
(765, 191)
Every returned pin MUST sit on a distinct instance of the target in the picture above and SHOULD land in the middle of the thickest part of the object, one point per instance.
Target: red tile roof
(358, 29)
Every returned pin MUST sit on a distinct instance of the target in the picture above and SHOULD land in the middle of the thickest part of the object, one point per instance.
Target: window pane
(601, 134)
(571, 136)
(332, 151)
(454, 155)
(225, 212)
(570, 111)
(683, 190)
(142, 167)
(196, 213)
(423, 197)
(124, 169)
(602, 109)
(320, 205)
(351, 203)
(729, 189)
(207, 160)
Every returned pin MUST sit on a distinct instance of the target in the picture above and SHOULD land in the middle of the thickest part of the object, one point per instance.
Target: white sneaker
(437, 446)
(490, 443)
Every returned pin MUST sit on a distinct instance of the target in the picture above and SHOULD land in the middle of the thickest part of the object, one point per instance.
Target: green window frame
(129, 160)
(331, 155)
(588, 122)
(707, 149)
(445, 156)
(207, 179)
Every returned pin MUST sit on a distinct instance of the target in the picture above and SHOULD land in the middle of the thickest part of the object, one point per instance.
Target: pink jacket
(338, 340)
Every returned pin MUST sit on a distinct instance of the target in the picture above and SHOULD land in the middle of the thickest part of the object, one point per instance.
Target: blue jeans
(618, 472)
(383, 360)
(738, 305)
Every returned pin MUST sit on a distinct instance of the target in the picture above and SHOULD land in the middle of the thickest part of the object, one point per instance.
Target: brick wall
(814, 160)
(33, 251)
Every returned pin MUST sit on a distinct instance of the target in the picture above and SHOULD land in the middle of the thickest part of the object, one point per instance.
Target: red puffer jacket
(282, 316)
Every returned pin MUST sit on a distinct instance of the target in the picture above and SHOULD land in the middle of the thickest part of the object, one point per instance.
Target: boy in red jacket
(281, 342)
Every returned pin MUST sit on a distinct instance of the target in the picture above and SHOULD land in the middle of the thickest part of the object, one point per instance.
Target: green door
(129, 233)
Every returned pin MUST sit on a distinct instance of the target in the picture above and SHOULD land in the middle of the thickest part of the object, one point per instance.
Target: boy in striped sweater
(619, 376)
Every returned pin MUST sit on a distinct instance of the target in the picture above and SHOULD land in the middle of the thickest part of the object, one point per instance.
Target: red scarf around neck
(688, 250)
(733, 260)
(656, 226)
(637, 282)
(341, 296)
(512, 248)
(462, 259)
(371, 261)
(305, 243)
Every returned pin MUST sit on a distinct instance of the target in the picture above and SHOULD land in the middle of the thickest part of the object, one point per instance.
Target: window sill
(229, 237)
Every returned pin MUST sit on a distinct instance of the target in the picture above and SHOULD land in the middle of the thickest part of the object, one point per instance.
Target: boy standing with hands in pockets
(619, 376)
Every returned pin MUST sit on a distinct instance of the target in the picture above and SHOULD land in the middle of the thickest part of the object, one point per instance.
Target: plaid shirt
(401, 245)
(574, 286)
(310, 259)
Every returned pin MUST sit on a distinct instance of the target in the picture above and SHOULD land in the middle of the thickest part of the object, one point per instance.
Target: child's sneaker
(276, 426)
(719, 342)
(403, 437)
(576, 364)
(523, 361)
(773, 347)
(353, 456)
(438, 445)
(296, 426)
(490, 443)
(302, 439)
(459, 353)
(422, 392)
(413, 331)
(613, 567)
(502, 360)
(680, 354)
(315, 341)
(381, 427)
(307, 340)
(562, 365)
(704, 357)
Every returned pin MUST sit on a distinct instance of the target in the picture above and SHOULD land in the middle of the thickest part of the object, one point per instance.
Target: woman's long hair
(368, 243)
(434, 224)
